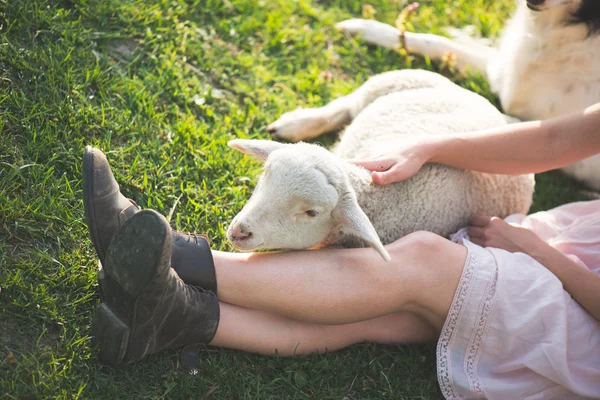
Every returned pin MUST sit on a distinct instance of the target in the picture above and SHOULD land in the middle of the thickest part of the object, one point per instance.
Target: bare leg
(433, 46)
(266, 333)
(345, 286)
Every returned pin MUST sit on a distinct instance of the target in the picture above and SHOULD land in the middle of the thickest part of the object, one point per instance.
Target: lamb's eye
(311, 213)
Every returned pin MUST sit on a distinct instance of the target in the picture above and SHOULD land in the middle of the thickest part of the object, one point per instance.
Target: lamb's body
(386, 109)
(438, 199)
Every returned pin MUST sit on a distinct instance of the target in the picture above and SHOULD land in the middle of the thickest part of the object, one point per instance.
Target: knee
(420, 249)
(420, 242)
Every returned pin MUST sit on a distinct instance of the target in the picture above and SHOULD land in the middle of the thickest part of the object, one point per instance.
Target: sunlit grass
(161, 87)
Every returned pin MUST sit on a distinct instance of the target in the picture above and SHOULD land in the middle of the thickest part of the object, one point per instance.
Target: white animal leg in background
(433, 46)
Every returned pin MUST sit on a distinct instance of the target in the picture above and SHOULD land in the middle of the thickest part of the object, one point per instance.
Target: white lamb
(308, 197)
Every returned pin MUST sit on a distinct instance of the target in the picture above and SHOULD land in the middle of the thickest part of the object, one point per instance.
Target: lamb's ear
(356, 221)
(257, 148)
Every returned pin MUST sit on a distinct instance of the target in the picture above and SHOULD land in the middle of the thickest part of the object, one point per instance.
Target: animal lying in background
(308, 197)
(547, 63)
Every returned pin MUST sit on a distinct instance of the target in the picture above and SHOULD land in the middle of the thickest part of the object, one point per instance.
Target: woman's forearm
(581, 283)
(528, 147)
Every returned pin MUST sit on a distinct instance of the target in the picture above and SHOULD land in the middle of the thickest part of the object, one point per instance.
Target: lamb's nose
(536, 2)
(240, 232)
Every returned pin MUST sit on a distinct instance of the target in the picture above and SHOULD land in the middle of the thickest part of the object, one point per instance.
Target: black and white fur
(547, 62)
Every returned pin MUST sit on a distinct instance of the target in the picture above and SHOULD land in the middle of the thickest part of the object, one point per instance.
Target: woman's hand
(389, 165)
(494, 232)
(581, 283)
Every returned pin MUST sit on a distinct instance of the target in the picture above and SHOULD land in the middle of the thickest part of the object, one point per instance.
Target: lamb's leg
(308, 123)
(433, 46)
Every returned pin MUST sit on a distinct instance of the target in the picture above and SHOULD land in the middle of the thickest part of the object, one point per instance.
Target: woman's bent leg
(264, 333)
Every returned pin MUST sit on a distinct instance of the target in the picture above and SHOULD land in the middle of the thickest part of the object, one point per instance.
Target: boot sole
(137, 251)
(88, 204)
(88, 210)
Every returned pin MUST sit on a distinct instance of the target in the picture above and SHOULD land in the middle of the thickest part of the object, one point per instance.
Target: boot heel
(110, 335)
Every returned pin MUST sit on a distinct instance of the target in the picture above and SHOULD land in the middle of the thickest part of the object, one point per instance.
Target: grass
(161, 86)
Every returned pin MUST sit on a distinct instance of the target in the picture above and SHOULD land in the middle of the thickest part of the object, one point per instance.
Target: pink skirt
(512, 332)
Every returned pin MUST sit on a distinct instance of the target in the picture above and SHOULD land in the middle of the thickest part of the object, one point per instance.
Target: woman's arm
(581, 283)
(528, 147)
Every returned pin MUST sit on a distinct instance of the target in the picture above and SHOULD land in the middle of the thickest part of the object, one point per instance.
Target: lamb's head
(302, 198)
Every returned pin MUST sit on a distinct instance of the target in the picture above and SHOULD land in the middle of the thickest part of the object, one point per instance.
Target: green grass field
(161, 86)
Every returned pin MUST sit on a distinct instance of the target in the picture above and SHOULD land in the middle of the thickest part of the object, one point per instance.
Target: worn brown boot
(106, 209)
(148, 308)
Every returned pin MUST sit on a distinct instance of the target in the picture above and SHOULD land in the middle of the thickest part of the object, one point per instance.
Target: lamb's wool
(438, 198)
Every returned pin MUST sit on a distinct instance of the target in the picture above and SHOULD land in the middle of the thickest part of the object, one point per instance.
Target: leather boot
(148, 308)
(106, 209)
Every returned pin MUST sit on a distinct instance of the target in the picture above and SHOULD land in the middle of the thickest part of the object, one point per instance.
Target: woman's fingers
(481, 220)
(479, 242)
(476, 232)
(397, 173)
(374, 164)
(495, 232)
(383, 178)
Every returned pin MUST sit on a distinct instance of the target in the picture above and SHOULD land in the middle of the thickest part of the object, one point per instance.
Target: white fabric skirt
(512, 332)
